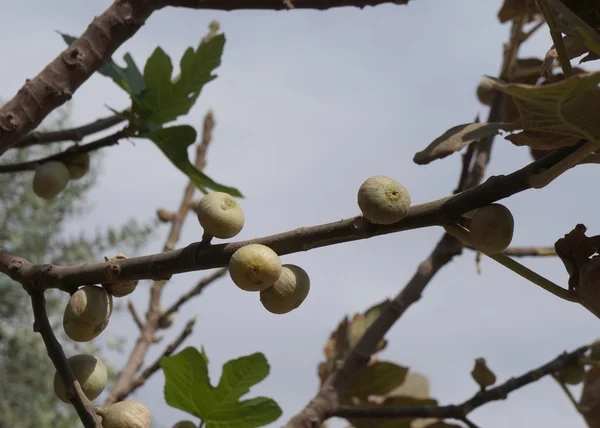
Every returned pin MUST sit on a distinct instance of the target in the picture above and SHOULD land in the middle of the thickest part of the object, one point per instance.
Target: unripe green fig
(87, 313)
(383, 200)
(491, 229)
(486, 92)
(254, 267)
(220, 215)
(78, 165)
(126, 414)
(572, 374)
(482, 374)
(185, 424)
(121, 288)
(50, 179)
(89, 371)
(288, 292)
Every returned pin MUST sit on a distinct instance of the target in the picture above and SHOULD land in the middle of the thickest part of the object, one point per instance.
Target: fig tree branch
(109, 140)
(83, 406)
(70, 134)
(135, 315)
(155, 366)
(334, 386)
(125, 380)
(459, 411)
(198, 256)
(58, 81)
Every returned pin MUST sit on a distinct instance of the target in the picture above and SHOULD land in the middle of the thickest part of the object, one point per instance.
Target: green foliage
(158, 99)
(188, 388)
(35, 229)
(376, 379)
(173, 142)
(165, 100)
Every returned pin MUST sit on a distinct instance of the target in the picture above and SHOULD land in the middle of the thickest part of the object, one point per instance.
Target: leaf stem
(463, 234)
(567, 393)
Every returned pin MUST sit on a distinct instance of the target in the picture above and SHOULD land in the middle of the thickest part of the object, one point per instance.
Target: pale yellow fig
(383, 200)
(78, 165)
(87, 313)
(89, 371)
(185, 424)
(121, 288)
(50, 179)
(491, 229)
(254, 267)
(125, 414)
(288, 292)
(220, 215)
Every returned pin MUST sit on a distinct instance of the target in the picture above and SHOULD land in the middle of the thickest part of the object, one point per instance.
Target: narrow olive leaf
(457, 138)
(569, 23)
(188, 388)
(174, 142)
(568, 107)
(165, 100)
(376, 379)
(128, 78)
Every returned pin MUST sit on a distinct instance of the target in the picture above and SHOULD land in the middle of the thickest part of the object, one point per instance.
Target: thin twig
(71, 134)
(530, 252)
(125, 380)
(109, 140)
(155, 366)
(134, 314)
(460, 411)
(198, 288)
(83, 406)
(526, 35)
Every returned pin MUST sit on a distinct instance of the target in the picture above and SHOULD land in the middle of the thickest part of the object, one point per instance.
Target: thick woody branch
(70, 134)
(109, 140)
(59, 80)
(198, 256)
(460, 411)
(83, 406)
(155, 366)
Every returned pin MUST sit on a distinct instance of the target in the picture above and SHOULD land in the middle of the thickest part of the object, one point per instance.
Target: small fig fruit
(126, 414)
(482, 374)
(78, 165)
(50, 179)
(89, 371)
(491, 229)
(383, 200)
(165, 322)
(254, 267)
(165, 216)
(220, 215)
(572, 374)
(288, 292)
(121, 288)
(87, 313)
(486, 92)
(185, 424)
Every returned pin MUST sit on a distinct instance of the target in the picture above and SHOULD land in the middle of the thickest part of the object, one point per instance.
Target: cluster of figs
(52, 177)
(253, 268)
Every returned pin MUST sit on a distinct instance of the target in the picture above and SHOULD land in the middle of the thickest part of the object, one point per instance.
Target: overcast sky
(308, 105)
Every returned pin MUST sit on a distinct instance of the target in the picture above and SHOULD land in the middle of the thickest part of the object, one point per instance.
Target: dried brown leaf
(512, 9)
(457, 138)
(574, 48)
(575, 250)
(589, 403)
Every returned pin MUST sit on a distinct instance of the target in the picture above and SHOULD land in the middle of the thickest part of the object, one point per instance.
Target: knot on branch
(9, 121)
(73, 57)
